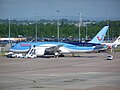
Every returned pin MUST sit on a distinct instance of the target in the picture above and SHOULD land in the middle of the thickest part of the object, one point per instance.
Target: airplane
(59, 48)
(13, 39)
(114, 44)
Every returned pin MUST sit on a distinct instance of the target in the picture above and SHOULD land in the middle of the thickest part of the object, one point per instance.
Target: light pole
(36, 29)
(9, 30)
(108, 25)
(58, 11)
(80, 23)
(86, 32)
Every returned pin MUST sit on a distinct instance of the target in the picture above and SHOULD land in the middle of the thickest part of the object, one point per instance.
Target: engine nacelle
(114, 46)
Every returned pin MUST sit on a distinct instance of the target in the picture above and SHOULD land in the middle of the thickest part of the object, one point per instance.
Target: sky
(20, 9)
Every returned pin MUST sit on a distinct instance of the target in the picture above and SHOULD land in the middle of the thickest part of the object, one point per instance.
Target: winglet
(100, 36)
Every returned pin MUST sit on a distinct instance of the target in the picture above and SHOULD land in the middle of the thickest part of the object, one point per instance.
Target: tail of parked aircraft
(117, 41)
(100, 36)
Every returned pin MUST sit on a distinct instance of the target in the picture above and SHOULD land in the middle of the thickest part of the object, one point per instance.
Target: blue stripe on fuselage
(69, 45)
(83, 44)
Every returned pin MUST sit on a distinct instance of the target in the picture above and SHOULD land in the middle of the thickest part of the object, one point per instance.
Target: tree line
(50, 29)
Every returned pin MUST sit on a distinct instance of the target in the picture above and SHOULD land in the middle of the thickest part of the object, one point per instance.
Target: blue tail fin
(100, 36)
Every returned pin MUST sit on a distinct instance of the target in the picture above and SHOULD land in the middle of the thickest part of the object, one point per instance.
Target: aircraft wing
(52, 50)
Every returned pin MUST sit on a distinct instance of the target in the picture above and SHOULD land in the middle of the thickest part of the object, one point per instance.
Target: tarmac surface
(89, 71)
